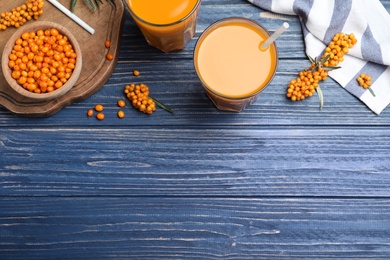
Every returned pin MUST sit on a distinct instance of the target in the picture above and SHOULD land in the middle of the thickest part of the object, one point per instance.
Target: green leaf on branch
(320, 96)
(162, 105)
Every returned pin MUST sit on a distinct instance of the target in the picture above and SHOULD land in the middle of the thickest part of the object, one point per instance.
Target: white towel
(369, 21)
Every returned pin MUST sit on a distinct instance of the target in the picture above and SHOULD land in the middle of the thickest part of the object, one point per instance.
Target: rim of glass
(209, 29)
(163, 24)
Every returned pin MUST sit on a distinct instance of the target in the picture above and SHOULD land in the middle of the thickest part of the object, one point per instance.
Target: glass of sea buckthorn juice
(166, 24)
(231, 65)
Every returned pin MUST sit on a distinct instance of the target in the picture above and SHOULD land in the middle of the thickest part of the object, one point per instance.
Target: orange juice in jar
(231, 65)
(166, 24)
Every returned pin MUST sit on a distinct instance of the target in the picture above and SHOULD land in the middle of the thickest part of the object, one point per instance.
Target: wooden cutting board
(96, 68)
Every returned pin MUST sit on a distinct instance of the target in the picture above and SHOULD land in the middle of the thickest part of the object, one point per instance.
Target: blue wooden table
(281, 180)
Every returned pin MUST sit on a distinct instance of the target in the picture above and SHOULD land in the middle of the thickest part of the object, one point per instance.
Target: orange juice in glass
(166, 24)
(231, 65)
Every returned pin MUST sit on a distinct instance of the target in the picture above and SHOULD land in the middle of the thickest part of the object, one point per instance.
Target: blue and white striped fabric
(368, 20)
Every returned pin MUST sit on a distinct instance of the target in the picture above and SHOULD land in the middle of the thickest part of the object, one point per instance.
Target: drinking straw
(274, 36)
(72, 16)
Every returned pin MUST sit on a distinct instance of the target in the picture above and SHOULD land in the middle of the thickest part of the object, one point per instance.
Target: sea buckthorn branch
(21, 14)
(365, 82)
(308, 80)
(139, 96)
(315, 65)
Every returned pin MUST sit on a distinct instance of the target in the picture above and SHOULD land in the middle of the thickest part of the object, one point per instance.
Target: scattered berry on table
(136, 73)
(99, 108)
(121, 103)
(100, 116)
(90, 113)
(121, 114)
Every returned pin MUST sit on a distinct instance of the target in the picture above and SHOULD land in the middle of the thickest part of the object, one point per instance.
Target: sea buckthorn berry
(99, 108)
(121, 114)
(136, 73)
(109, 56)
(107, 44)
(121, 103)
(90, 113)
(16, 74)
(54, 32)
(100, 116)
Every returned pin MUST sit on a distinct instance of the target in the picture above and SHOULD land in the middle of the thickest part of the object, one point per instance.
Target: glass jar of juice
(166, 24)
(231, 65)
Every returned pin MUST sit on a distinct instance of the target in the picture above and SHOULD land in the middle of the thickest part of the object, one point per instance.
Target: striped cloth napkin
(368, 20)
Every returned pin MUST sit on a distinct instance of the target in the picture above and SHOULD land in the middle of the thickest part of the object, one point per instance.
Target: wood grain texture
(194, 228)
(96, 68)
(196, 162)
(280, 180)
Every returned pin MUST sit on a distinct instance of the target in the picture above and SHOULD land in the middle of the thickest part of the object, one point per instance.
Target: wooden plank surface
(280, 180)
(194, 228)
(196, 162)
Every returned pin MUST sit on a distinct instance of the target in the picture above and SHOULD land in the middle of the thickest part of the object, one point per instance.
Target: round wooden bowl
(33, 27)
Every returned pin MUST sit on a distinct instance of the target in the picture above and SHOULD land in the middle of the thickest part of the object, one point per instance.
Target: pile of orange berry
(139, 97)
(21, 14)
(306, 84)
(42, 61)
